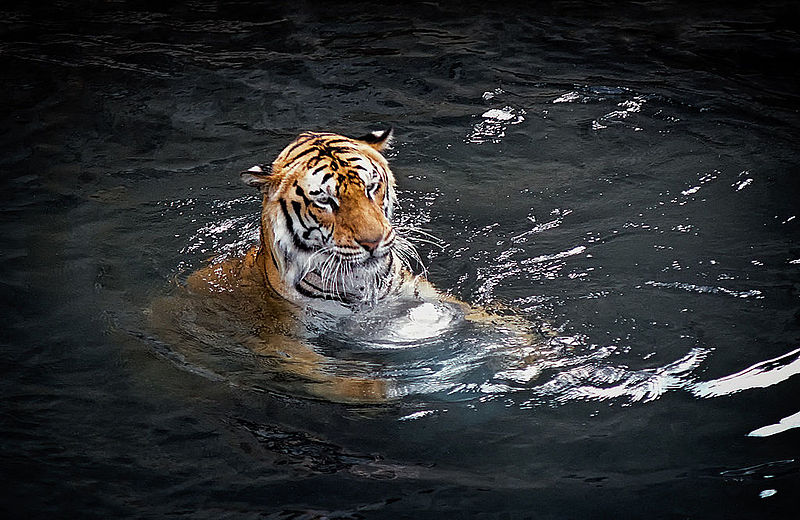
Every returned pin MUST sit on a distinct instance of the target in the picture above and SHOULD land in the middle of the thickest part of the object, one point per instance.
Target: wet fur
(311, 253)
(326, 239)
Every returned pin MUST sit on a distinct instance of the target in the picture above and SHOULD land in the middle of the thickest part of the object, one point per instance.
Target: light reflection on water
(761, 375)
(456, 364)
(227, 236)
(451, 362)
(624, 179)
(426, 352)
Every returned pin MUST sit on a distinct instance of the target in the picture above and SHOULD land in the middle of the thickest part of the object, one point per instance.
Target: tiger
(326, 241)
(326, 228)
(326, 221)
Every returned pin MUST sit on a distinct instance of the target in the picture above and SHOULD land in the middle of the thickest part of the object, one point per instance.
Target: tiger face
(326, 214)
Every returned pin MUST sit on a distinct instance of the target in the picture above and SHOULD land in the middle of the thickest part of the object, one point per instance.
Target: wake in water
(425, 351)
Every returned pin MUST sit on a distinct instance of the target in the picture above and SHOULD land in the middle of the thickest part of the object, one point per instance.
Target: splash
(493, 125)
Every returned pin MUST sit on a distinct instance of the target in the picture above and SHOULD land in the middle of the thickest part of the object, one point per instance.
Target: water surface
(626, 175)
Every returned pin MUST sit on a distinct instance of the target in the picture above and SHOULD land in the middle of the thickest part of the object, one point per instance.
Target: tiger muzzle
(370, 244)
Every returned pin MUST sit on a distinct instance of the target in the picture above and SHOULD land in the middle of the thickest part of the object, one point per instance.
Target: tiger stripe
(328, 200)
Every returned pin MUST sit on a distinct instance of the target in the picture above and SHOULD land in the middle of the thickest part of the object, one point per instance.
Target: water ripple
(787, 423)
(760, 375)
(592, 381)
(705, 289)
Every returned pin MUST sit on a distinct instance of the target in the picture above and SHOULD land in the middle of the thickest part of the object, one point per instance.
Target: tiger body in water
(327, 244)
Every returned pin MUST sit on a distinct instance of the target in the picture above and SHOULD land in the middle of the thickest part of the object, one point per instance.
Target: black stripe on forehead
(342, 171)
(304, 138)
(333, 162)
(350, 177)
(335, 157)
(320, 145)
(298, 142)
(300, 154)
(311, 139)
(329, 142)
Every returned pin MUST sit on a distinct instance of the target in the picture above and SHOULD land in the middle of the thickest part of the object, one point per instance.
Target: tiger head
(326, 213)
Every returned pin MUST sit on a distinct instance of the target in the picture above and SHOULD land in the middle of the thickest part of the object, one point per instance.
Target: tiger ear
(380, 139)
(257, 178)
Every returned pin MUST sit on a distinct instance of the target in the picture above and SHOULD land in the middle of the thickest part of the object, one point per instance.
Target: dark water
(627, 174)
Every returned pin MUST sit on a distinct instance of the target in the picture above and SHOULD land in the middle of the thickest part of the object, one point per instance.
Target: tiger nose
(369, 244)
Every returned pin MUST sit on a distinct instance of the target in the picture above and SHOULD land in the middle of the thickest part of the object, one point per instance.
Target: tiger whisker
(342, 271)
(325, 273)
(426, 241)
(308, 264)
(426, 237)
(409, 254)
(338, 280)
